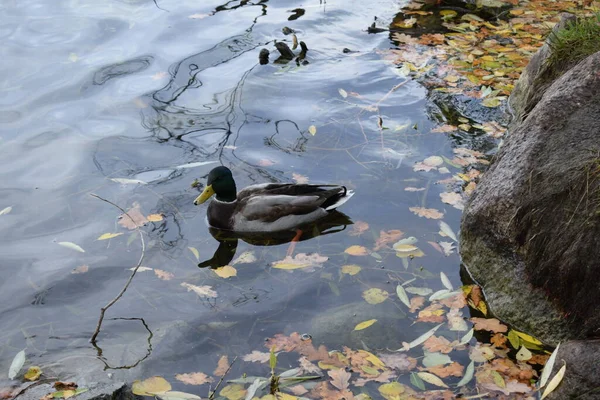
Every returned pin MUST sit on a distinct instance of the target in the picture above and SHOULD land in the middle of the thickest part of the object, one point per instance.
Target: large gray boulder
(530, 234)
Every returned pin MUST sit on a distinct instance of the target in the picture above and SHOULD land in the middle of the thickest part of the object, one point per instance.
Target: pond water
(97, 91)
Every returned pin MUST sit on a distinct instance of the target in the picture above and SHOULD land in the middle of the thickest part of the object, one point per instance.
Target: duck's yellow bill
(205, 195)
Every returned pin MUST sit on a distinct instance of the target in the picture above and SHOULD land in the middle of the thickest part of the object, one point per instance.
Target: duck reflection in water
(228, 240)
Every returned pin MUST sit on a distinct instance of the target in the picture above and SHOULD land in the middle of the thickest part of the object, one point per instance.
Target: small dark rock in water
(285, 50)
(347, 50)
(286, 30)
(263, 57)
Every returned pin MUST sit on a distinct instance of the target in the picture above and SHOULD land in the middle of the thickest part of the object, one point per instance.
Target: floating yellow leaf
(392, 391)
(357, 250)
(312, 130)
(226, 272)
(431, 379)
(301, 260)
(150, 386)
(491, 102)
(195, 253)
(364, 325)
(233, 392)
(72, 246)
(375, 295)
(33, 373)
(109, 236)
(154, 217)
(431, 213)
(351, 269)
(528, 338)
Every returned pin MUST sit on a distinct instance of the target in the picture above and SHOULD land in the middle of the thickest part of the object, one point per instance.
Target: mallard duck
(268, 207)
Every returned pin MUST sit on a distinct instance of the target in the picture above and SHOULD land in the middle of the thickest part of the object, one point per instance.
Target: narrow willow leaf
(548, 367)
(72, 246)
(468, 373)
(364, 325)
(409, 281)
(6, 210)
(343, 93)
(431, 379)
(422, 338)
(195, 164)
(195, 253)
(555, 381)
(175, 395)
(256, 385)
(439, 294)
(446, 230)
(402, 295)
(16, 365)
(446, 282)
(416, 381)
(290, 373)
(106, 236)
(125, 181)
(498, 379)
(528, 338)
(467, 338)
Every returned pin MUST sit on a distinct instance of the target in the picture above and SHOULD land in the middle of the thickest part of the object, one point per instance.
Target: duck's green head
(220, 182)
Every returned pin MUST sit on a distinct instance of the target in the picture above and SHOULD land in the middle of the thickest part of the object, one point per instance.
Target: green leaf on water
(498, 379)
(514, 339)
(416, 381)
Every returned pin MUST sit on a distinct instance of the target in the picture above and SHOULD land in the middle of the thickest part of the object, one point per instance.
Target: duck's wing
(271, 202)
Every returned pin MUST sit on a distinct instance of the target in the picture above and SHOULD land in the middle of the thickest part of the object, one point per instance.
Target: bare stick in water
(113, 301)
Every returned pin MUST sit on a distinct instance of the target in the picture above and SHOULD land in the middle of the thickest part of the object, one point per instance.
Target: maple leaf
(444, 371)
(134, 218)
(298, 390)
(194, 378)
(454, 199)
(384, 377)
(489, 324)
(164, 275)
(358, 228)
(433, 313)
(431, 39)
(447, 248)
(404, 38)
(444, 129)
(457, 301)
(323, 391)
(340, 378)
(416, 302)
(386, 237)
(430, 213)
(498, 340)
(257, 356)
(222, 366)
(438, 344)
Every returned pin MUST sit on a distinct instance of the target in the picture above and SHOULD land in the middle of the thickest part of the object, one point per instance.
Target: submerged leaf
(446, 281)
(226, 271)
(357, 250)
(150, 386)
(194, 378)
(301, 260)
(430, 213)
(468, 374)
(106, 236)
(351, 269)
(402, 295)
(195, 253)
(202, 291)
(431, 379)
(375, 295)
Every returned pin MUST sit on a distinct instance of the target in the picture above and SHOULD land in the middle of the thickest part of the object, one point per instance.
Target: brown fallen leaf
(430, 213)
(416, 302)
(489, 324)
(59, 386)
(438, 344)
(257, 356)
(194, 378)
(340, 378)
(134, 218)
(298, 390)
(222, 366)
(433, 313)
(399, 361)
(155, 217)
(300, 260)
(308, 367)
(384, 377)
(164, 275)
(386, 237)
(444, 371)
(456, 301)
(498, 340)
(454, 199)
(358, 228)
(82, 269)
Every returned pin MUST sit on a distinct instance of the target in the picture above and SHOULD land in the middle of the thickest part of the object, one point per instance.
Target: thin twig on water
(113, 301)
(211, 396)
